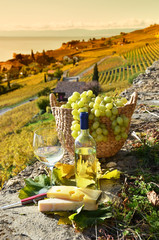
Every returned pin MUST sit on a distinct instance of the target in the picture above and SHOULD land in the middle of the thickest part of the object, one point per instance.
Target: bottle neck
(85, 131)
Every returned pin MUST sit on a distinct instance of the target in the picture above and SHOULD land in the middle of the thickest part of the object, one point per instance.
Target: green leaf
(83, 219)
(60, 180)
(39, 184)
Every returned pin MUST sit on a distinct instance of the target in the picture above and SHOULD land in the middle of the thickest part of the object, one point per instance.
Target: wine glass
(48, 144)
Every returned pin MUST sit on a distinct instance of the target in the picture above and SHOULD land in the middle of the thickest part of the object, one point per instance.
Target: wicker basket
(63, 118)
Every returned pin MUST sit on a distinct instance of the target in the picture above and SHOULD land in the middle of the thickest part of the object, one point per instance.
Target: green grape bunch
(98, 106)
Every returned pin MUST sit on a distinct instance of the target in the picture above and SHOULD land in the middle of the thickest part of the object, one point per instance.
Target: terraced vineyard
(131, 63)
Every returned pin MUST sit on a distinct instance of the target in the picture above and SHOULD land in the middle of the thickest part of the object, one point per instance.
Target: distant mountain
(66, 33)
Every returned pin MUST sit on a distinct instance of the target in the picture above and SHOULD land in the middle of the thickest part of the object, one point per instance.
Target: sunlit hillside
(120, 59)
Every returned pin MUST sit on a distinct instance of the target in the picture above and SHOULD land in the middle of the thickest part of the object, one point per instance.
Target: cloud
(128, 23)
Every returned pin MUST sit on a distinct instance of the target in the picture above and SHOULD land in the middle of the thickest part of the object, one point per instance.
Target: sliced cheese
(73, 193)
(55, 204)
(90, 195)
(65, 192)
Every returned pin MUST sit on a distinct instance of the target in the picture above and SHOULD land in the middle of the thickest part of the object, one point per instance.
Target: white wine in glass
(48, 144)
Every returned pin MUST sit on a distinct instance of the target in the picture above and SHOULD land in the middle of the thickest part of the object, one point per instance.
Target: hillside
(145, 125)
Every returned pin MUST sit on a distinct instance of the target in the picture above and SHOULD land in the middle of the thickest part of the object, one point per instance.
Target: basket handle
(53, 101)
(133, 98)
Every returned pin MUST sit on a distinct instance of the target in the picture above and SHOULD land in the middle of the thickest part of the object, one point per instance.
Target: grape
(91, 104)
(98, 100)
(112, 118)
(126, 121)
(96, 106)
(114, 111)
(105, 132)
(124, 135)
(81, 104)
(72, 128)
(123, 129)
(74, 122)
(99, 130)
(91, 116)
(77, 127)
(92, 111)
(76, 94)
(119, 103)
(99, 138)
(63, 106)
(108, 113)
(95, 125)
(117, 137)
(70, 100)
(117, 129)
(80, 110)
(75, 112)
(73, 98)
(74, 134)
(96, 119)
(120, 120)
(85, 109)
(68, 105)
(124, 100)
(107, 99)
(94, 134)
(109, 106)
(84, 94)
(89, 93)
(102, 113)
(74, 106)
(102, 108)
(97, 113)
(114, 123)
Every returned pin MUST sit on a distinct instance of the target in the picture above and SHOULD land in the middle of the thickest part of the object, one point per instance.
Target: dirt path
(91, 67)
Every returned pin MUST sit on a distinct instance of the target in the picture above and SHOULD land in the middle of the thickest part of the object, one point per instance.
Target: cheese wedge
(55, 204)
(90, 195)
(65, 192)
(73, 193)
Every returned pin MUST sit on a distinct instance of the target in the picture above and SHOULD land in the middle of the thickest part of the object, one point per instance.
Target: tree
(32, 55)
(45, 78)
(95, 73)
(58, 73)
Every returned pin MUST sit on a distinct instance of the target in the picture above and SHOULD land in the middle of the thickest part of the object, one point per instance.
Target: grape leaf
(83, 219)
(67, 170)
(60, 180)
(39, 184)
(113, 174)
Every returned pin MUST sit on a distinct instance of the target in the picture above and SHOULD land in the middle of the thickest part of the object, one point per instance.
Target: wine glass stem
(51, 179)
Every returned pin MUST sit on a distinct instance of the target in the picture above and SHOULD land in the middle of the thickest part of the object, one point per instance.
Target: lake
(24, 45)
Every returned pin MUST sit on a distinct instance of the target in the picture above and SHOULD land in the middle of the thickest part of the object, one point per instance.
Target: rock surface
(27, 223)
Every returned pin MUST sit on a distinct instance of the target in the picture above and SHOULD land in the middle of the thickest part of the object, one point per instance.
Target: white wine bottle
(85, 156)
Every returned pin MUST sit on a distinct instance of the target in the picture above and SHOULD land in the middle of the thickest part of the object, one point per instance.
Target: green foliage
(83, 219)
(43, 102)
(3, 89)
(45, 92)
(136, 211)
(35, 186)
(48, 109)
(95, 73)
(132, 77)
(58, 73)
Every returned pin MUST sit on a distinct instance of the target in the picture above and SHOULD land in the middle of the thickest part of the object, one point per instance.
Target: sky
(85, 14)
